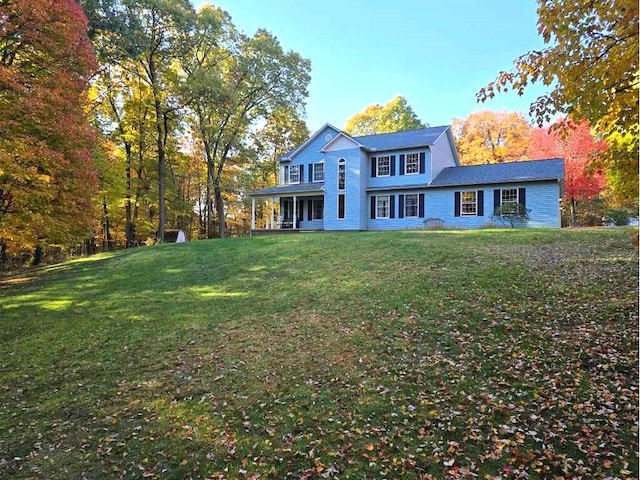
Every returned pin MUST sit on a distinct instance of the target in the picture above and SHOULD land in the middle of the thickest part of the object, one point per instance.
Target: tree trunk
(3, 254)
(219, 210)
(209, 203)
(106, 227)
(37, 255)
(160, 136)
(572, 209)
(129, 222)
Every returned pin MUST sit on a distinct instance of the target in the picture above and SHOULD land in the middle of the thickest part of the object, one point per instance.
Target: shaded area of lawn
(366, 355)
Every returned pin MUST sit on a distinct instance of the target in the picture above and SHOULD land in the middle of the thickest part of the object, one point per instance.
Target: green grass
(366, 355)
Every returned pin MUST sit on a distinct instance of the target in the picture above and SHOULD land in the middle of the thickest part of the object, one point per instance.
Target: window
(382, 206)
(318, 172)
(317, 208)
(412, 164)
(469, 204)
(411, 205)
(509, 196)
(341, 211)
(294, 174)
(342, 168)
(383, 166)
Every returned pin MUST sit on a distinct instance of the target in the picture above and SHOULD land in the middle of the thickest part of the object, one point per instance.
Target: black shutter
(310, 172)
(522, 196)
(496, 199)
(421, 205)
(480, 199)
(401, 165)
(373, 206)
(422, 162)
(401, 205)
(301, 173)
(392, 206)
(392, 161)
(286, 174)
(456, 204)
(309, 209)
(373, 167)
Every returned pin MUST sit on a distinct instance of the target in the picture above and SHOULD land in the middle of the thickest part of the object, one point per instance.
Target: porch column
(253, 213)
(273, 202)
(295, 213)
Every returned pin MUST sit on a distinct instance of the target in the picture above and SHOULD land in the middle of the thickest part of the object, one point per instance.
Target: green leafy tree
(233, 81)
(394, 116)
(590, 62)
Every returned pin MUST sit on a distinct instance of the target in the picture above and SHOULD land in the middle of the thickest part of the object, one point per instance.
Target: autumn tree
(590, 63)
(394, 116)
(46, 141)
(144, 40)
(491, 137)
(580, 151)
(233, 81)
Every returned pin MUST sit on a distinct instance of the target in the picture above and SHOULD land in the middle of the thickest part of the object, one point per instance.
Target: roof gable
(341, 141)
(526, 171)
(329, 132)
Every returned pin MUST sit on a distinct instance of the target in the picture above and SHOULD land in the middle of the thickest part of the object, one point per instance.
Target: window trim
(313, 175)
(388, 158)
(416, 206)
(297, 170)
(475, 203)
(406, 163)
(502, 202)
(388, 207)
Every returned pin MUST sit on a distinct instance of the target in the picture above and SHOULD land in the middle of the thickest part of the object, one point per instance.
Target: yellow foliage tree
(491, 137)
(590, 63)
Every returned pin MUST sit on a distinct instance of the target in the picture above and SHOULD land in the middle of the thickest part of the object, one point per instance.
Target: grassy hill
(363, 355)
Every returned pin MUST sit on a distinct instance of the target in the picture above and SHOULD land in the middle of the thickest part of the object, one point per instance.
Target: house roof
(406, 139)
(528, 171)
(317, 187)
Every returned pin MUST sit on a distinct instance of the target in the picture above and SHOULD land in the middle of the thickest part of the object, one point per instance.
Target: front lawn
(416, 354)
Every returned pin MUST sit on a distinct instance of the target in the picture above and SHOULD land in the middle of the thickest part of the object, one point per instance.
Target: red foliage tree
(46, 141)
(579, 149)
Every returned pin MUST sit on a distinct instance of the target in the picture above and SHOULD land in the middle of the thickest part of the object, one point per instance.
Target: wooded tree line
(124, 118)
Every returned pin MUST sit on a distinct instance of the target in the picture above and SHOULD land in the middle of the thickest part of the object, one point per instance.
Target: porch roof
(302, 188)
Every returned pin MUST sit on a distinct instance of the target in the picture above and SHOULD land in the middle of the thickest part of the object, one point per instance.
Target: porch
(295, 212)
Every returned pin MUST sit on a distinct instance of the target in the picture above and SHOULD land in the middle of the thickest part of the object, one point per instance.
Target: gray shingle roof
(317, 187)
(406, 139)
(528, 171)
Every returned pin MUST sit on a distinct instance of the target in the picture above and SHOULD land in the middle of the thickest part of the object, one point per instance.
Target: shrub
(511, 215)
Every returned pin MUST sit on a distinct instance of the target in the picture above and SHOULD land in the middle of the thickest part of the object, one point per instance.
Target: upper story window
(294, 174)
(412, 164)
(318, 172)
(342, 170)
(383, 166)
(469, 203)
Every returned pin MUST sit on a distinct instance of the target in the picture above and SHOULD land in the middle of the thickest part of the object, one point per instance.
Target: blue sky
(437, 54)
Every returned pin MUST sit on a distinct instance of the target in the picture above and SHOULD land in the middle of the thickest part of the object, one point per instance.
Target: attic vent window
(328, 137)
